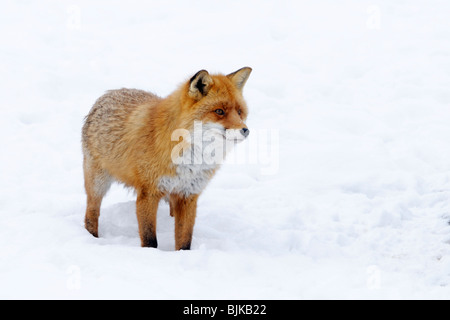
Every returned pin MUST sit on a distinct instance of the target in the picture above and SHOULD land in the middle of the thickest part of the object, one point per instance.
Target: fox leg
(146, 209)
(92, 215)
(96, 182)
(184, 209)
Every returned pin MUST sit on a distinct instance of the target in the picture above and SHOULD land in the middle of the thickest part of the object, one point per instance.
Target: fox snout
(237, 134)
(245, 132)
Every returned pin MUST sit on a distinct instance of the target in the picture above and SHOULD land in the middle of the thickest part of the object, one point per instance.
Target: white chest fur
(189, 179)
(195, 165)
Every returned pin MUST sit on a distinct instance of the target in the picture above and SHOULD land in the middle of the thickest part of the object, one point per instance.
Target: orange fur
(127, 138)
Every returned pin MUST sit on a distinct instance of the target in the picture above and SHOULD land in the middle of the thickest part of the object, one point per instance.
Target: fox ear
(200, 84)
(239, 78)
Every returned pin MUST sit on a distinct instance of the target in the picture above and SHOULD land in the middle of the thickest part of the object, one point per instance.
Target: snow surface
(341, 191)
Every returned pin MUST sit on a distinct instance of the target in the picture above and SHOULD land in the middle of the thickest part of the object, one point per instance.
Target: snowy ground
(344, 189)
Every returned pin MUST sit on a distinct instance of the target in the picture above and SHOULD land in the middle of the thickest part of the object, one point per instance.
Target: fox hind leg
(97, 183)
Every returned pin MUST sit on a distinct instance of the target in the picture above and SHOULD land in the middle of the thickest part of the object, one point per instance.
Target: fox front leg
(146, 209)
(184, 210)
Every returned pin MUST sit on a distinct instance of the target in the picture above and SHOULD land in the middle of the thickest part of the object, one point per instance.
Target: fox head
(217, 101)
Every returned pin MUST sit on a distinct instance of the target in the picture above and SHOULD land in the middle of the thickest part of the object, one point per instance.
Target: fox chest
(188, 180)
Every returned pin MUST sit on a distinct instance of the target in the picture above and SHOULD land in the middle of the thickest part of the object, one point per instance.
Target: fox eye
(239, 112)
(220, 112)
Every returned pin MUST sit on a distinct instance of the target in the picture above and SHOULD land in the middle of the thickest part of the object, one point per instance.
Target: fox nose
(245, 132)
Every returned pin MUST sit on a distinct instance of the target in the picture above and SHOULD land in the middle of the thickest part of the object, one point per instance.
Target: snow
(342, 189)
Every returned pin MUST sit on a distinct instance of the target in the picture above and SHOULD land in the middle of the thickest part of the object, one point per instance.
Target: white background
(356, 93)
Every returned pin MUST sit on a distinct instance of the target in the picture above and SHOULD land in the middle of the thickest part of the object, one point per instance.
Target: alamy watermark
(210, 144)
(73, 281)
(73, 21)
(373, 281)
(373, 22)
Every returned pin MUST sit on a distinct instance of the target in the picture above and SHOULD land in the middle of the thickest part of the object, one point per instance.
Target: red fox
(128, 136)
